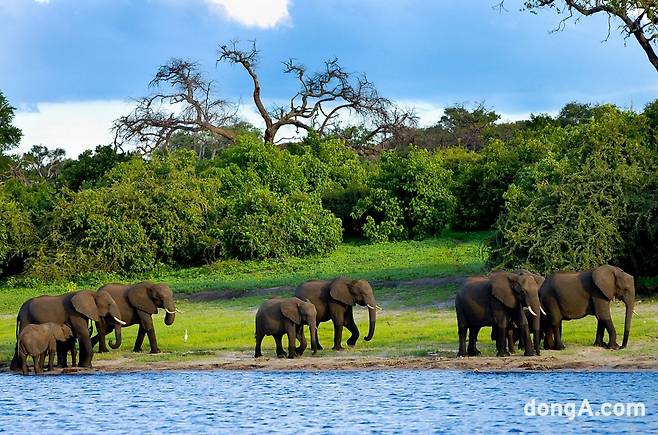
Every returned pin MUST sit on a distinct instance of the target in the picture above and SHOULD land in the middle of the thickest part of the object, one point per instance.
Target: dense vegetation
(564, 192)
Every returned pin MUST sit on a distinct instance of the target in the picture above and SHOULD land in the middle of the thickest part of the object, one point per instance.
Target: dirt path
(225, 294)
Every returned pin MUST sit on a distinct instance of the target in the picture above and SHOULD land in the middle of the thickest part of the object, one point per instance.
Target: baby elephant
(286, 316)
(39, 340)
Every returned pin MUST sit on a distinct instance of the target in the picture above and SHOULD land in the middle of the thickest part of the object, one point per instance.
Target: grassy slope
(410, 324)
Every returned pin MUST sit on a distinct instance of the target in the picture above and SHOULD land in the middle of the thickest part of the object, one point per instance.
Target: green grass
(417, 320)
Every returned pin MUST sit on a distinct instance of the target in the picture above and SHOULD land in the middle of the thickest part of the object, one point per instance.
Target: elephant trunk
(313, 329)
(630, 303)
(535, 309)
(372, 315)
(117, 334)
(170, 308)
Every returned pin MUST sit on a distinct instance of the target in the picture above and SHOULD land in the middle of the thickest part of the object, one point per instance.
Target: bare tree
(639, 18)
(324, 101)
(40, 162)
(183, 101)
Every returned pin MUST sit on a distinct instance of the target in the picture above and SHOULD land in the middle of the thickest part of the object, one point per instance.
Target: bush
(264, 224)
(17, 234)
(578, 211)
(411, 197)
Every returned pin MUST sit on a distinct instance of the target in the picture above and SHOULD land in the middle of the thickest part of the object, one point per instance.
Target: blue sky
(71, 66)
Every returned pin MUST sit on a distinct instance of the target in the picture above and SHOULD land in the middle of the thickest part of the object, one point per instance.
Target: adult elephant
(334, 300)
(137, 303)
(573, 295)
(75, 309)
(497, 300)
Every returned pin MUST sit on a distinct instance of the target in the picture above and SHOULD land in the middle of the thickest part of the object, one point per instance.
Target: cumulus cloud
(73, 126)
(253, 13)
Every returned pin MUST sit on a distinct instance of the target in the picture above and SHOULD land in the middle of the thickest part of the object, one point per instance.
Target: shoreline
(544, 363)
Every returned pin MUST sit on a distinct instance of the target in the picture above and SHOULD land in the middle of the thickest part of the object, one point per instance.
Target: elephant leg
(339, 321)
(462, 340)
(473, 332)
(35, 361)
(501, 337)
(510, 340)
(23, 365)
(280, 353)
(16, 361)
(140, 339)
(82, 333)
(600, 330)
(302, 341)
(612, 334)
(101, 331)
(259, 341)
(147, 325)
(291, 332)
(51, 356)
(350, 324)
(317, 340)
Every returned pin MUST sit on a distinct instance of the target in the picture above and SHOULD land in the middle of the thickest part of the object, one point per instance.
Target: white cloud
(73, 126)
(253, 13)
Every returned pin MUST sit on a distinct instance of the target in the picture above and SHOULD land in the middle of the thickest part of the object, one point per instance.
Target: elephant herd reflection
(514, 304)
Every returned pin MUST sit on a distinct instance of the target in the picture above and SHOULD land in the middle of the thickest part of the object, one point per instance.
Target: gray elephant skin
(38, 341)
(573, 295)
(497, 300)
(335, 299)
(280, 316)
(74, 309)
(137, 303)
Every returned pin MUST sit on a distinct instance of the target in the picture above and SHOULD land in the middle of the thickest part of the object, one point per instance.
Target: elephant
(74, 309)
(514, 331)
(334, 301)
(497, 300)
(38, 341)
(573, 295)
(280, 316)
(136, 303)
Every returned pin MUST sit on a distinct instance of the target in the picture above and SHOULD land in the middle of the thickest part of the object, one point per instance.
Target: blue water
(401, 401)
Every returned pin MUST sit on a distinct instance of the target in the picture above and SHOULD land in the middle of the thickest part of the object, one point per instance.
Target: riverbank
(416, 330)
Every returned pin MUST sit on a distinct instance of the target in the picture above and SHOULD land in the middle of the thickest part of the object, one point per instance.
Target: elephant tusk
(532, 312)
(376, 307)
(635, 312)
(542, 310)
(179, 311)
(170, 312)
(119, 321)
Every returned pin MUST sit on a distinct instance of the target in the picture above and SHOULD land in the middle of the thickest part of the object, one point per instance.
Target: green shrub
(575, 212)
(17, 234)
(411, 197)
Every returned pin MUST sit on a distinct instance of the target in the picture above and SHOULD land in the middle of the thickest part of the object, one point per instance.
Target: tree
(40, 162)
(10, 136)
(184, 101)
(639, 18)
(324, 101)
(90, 167)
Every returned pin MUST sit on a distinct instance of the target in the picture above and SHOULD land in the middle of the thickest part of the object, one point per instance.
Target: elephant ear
(604, 278)
(340, 291)
(290, 309)
(85, 303)
(139, 297)
(501, 289)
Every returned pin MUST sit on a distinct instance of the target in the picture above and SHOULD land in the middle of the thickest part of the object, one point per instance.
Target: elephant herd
(518, 303)
(49, 324)
(515, 304)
